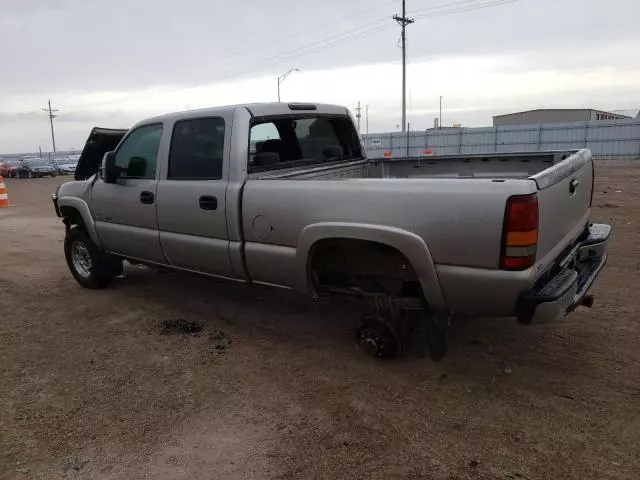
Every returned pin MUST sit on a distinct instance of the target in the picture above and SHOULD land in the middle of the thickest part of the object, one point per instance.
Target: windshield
(34, 163)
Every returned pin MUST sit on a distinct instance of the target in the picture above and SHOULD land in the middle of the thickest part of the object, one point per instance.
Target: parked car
(57, 163)
(53, 163)
(422, 239)
(34, 168)
(67, 167)
(8, 168)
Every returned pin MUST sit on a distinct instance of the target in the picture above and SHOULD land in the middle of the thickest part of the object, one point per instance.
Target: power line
(356, 34)
(444, 5)
(310, 49)
(349, 32)
(467, 9)
(307, 29)
(52, 115)
(361, 32)
(332, 41)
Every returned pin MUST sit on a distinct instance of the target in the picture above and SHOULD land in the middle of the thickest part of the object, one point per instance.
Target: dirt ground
(92, 386)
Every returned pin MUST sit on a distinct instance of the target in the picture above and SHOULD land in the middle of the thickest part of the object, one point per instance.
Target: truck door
(125, 211)
(191, 199)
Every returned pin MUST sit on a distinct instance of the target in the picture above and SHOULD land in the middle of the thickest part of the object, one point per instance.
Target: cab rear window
(290, 141)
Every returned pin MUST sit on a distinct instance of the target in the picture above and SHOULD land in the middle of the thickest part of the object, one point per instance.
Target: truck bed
(494, 166)
(456, 204)
(497, 166)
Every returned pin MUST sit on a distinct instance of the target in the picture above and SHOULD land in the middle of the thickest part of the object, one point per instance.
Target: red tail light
(520, 233)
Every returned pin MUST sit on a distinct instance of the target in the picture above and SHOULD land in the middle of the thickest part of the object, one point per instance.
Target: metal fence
(608, 140)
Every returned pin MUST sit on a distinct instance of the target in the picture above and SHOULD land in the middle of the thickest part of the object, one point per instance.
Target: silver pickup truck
(283, 195)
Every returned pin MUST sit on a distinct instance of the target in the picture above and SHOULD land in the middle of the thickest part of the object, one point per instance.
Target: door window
(138, 155)
(197, 148)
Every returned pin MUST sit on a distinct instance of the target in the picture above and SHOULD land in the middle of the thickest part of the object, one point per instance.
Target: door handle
(147, 197)
(208, 202)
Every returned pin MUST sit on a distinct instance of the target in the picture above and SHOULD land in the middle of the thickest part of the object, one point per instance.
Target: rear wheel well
(361, 266)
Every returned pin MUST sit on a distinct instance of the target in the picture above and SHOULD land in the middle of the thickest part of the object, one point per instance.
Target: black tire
(90, 267)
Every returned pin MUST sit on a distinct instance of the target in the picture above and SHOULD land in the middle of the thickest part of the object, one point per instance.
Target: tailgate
(564, 199)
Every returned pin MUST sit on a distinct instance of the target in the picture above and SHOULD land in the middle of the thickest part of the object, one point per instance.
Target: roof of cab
(256, 109)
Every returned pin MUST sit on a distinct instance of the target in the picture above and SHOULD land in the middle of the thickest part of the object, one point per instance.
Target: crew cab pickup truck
(283, 195)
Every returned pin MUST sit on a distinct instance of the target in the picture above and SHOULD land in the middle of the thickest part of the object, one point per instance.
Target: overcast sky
(114, 63)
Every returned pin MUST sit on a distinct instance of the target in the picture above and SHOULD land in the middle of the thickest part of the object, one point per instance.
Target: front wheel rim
(81, 259)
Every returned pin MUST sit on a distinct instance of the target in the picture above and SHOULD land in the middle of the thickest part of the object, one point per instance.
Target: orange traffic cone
(4, 196)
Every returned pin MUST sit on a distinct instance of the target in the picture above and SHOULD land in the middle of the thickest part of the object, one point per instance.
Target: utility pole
(52, 115)
(366, 115)
(440, 111)
(358, 114)
(403, 21)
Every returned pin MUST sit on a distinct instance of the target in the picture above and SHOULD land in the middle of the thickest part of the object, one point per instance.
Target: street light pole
(283, 77)
(440, 124)
(366, 109)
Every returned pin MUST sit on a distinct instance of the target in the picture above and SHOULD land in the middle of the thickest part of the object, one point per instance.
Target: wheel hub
(81, 259)
(378, 338)
(369, 345)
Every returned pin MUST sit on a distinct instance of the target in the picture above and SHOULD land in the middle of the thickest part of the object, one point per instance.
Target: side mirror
(110, 172)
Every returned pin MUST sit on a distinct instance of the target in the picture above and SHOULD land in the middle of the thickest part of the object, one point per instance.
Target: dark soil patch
(222, 342)
(180, 326)
(609, 205)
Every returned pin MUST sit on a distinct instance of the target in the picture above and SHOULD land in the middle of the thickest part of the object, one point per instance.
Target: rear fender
(407, 243)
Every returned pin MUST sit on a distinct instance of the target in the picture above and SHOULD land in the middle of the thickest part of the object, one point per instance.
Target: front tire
(90, 267)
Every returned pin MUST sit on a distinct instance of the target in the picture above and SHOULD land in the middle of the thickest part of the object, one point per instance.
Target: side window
(197, 148)
(138, 155)
(260, 134)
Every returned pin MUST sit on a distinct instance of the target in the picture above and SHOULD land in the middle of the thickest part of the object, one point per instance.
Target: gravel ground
(124, 384)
